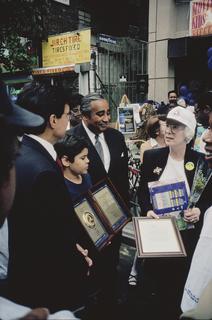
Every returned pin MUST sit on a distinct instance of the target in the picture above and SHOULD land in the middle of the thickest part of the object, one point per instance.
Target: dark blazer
(118, 170)
(160, 272)
(118, 174)
(158, 158)
(45, 269)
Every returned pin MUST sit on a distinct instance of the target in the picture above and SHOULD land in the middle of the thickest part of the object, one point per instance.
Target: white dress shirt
(4, 251)
(47, 145)
(105, 148)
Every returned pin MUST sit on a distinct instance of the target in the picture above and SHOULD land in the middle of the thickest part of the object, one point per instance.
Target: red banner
(201, 18)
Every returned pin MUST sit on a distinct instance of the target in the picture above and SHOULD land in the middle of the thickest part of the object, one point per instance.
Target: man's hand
(84, 252)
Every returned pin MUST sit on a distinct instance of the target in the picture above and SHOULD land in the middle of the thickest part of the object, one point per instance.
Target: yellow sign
(201, 18)
(67, 48)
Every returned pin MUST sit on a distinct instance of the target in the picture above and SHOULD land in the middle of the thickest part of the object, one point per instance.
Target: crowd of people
(56, 147)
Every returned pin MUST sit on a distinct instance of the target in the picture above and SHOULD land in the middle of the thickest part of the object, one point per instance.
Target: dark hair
(43, 99)
(8, 149)
(153, 125)
(86, 102)
(70, 146)
(172, 91)
(205, 99)
(74, 100)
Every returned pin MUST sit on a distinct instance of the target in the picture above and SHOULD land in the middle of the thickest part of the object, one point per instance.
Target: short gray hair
(86, 102)
(189, 134)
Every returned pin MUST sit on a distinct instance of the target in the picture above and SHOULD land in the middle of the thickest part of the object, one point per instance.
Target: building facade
(175, 56)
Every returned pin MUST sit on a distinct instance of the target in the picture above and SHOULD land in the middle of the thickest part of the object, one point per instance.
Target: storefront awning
(184, 47)
(52, 70)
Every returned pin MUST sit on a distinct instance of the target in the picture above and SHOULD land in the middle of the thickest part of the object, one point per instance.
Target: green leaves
(14, 55)
(21, 20)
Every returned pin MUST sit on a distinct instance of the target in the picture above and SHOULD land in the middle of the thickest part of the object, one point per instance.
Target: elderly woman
(176, 161)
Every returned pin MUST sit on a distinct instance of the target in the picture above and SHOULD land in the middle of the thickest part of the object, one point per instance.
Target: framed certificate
(126, 119)
(168, 197)
(112, 208)
(91, 222)
(158, 237)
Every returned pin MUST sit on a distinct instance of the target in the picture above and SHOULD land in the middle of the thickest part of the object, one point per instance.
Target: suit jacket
(45, 269)
(158, 158)
(170, 270)
(118, 170)
(118, 174)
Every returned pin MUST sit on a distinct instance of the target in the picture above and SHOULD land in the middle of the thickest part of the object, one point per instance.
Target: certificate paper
(110, 207)
(158, 237)
(168, 197)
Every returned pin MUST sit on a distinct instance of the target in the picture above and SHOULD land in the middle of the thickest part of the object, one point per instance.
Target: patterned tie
(98, 147)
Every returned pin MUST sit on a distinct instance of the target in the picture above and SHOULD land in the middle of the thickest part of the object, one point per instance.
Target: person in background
(172, 98)
(74, 101)
(155, 129)
(200, 274)
(108, 159)
(44, 254)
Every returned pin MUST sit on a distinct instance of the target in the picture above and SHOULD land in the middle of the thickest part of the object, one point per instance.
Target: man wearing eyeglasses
(45, 267)
(108, 157)
(74, 102)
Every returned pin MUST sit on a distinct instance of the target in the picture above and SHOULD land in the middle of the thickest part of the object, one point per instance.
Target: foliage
(21, 18)
(15, 55)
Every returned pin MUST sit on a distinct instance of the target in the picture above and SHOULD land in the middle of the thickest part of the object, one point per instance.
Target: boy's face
(80, 164)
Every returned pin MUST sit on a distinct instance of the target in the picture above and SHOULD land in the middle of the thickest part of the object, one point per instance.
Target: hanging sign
(201, 18)
(67, 48)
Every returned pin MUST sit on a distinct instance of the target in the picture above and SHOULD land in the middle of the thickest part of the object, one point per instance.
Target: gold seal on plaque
(89, 220)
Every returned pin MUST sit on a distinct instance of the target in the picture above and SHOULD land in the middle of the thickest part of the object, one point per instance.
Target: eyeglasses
(76, 110)
(175, 127)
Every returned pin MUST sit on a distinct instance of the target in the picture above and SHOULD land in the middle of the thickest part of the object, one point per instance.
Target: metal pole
(108, 76)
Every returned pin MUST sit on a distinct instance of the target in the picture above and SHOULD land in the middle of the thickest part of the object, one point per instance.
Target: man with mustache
(200, 274)
(108, 156)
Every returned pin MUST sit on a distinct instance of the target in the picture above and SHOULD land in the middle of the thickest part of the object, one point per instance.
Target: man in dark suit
(114, 162)
(45, 267)
(108, 157)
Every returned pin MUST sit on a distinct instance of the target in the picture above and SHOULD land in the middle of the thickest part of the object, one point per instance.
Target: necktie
(98, 147)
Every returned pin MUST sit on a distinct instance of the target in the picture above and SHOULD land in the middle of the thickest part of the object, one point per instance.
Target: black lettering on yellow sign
(62, 49)
(62, 41)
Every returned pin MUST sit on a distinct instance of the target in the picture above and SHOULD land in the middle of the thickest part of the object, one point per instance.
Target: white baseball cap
(183, 116)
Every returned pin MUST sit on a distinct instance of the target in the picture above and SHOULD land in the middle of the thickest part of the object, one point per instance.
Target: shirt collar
(91, 134)
(47, 145)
